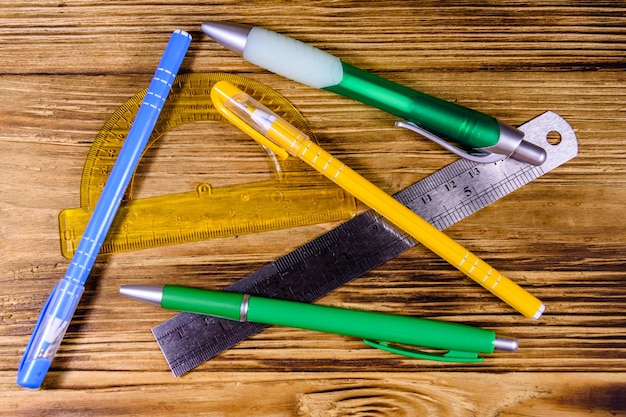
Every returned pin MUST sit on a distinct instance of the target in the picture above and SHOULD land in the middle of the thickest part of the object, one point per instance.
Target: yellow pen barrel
(411, 223)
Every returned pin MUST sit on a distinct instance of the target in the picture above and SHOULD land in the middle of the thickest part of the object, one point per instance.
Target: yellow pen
(283, 139)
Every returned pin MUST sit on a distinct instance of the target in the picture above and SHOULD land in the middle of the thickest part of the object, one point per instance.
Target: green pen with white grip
(487, 139)
(389, 332)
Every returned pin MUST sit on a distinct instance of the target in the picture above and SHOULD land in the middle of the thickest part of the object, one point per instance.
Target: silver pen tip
(505, 344)
(146, 293)
(230, 35)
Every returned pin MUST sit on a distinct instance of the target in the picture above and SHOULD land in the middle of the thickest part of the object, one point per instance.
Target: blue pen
(63, 300)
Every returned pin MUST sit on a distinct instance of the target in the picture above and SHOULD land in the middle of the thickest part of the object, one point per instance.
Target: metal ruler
(364, 243)
(294, 197)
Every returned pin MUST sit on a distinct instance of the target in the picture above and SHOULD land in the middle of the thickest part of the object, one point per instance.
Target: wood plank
(327, 394)
(127, 37)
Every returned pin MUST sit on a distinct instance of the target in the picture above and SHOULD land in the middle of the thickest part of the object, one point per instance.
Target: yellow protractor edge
(261, 92)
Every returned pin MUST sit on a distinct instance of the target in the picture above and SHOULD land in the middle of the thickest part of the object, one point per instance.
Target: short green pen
(389, 332)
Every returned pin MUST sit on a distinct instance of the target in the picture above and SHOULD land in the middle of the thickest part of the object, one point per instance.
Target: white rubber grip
(292, 59)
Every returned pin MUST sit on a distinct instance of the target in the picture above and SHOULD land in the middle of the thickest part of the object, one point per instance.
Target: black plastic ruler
(364, 243)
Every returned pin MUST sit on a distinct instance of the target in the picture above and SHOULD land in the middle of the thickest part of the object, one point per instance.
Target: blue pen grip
(59, 309)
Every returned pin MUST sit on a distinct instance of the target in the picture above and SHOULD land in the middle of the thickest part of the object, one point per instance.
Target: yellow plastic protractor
(295, 196)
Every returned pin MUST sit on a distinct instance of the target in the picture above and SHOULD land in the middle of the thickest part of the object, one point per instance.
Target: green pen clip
(449, 356)
(475, 155)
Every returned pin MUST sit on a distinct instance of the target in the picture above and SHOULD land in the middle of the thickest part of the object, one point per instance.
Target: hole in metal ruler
(554, 137)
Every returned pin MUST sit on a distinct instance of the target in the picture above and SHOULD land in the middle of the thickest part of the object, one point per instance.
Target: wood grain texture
(66, 67)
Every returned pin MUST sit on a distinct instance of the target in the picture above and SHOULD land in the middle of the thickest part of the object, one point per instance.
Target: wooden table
(66, 67)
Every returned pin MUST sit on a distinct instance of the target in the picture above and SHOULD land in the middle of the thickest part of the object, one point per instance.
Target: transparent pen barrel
(49, 332)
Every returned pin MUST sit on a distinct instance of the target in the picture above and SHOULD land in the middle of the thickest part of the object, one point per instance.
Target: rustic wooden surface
(67, 65)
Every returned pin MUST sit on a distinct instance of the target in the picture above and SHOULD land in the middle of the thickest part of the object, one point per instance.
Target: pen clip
(223, 91)
(482, 157)
(449, 356)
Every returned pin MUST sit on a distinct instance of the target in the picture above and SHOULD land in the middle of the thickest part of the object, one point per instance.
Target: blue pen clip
(449, 356)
